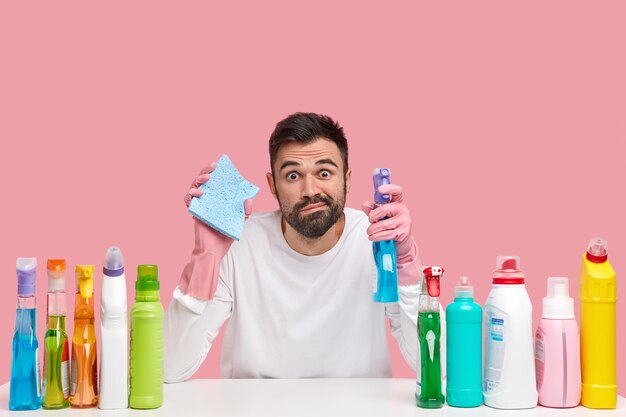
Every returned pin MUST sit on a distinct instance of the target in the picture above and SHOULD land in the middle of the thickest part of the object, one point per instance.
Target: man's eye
(325, 174)
(292, 176)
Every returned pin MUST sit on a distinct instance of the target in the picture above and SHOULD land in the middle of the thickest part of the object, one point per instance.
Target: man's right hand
(203, 177)
(199, 278)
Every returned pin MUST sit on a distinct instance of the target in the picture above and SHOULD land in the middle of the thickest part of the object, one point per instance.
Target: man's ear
(270, 182)
(348, 175)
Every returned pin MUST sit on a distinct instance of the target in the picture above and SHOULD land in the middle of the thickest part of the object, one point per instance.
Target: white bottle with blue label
(509, 377)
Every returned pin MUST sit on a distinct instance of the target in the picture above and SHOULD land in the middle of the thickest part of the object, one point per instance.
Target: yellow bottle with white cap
(597, 331)
(84, 380)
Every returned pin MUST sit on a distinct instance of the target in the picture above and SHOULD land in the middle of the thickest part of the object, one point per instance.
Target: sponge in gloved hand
(221, 205)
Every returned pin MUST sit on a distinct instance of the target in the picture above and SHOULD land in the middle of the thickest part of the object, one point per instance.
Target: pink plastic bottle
(557, 354)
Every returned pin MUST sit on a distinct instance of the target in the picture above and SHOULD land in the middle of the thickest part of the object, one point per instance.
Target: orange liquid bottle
(84, 380)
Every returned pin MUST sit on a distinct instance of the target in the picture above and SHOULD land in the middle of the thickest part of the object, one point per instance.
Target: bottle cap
(56, 274)
(508, 270)
(84, 280)
(463, 288)
(598, 250)
(558, 304)
(26, 276)
(381, 176)
(113, 262)
(147, 278)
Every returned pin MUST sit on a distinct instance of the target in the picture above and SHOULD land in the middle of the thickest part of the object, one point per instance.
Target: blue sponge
(221, 205)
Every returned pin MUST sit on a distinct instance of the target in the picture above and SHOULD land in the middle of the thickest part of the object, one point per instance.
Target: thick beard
(316, 224)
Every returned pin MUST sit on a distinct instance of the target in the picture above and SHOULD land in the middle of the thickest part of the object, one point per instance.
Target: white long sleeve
(190, 327)
(292, 315)
(403, 323)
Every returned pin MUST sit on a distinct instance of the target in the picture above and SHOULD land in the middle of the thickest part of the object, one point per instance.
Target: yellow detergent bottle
(597, 331)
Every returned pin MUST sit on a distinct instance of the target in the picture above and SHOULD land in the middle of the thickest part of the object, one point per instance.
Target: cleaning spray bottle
(597, 331)
(384, 251)
(56, 379)
(557, 354)
(113, 333)
(464, 348)
(84, 379)
(429, 392)
(25, 389)
(146, 341)
(509, 381)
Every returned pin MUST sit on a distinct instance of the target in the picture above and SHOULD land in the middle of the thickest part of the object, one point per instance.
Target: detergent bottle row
(70, 377)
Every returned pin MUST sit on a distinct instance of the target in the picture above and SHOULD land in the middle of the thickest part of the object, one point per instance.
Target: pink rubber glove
(199, 278)
(396, 227)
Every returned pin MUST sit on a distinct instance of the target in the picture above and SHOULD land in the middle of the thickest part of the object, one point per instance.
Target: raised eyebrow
(327, 161)
(289, 164)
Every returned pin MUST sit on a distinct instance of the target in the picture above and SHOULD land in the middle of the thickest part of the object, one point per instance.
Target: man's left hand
(396, 226)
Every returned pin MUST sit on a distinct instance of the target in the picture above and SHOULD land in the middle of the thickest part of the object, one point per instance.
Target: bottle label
(539, 359)
(494, 355)
(65, 371)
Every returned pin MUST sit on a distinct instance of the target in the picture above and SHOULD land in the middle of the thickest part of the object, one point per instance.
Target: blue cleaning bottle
(464, 319)
(384, 251)
(25, 391)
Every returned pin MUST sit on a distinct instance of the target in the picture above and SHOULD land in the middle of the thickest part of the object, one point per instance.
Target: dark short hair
(306, 128)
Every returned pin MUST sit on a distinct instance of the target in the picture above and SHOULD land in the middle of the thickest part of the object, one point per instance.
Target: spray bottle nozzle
(84, 280)
(432, 274)
(381, 176)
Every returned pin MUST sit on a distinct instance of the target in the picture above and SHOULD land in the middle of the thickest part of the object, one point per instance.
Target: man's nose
(309, 187)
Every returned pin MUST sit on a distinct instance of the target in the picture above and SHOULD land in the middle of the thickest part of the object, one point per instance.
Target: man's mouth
(313, 207)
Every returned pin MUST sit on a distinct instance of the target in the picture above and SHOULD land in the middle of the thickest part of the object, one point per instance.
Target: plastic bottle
(557, 354)
(429, 392)
(84, 379)
(113, 333)
(509, 378)
(25, 391)
(384, 251)
(597, 331)
(56, 379)
(464, 348)
(146, 341)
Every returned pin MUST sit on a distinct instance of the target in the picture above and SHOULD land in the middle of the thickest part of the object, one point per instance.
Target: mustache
(313, 200)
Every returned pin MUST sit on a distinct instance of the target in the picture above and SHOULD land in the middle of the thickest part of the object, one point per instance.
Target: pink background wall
(504, 123)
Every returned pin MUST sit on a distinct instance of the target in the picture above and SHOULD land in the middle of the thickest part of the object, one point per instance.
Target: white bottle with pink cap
(509, 378)
(557, 353)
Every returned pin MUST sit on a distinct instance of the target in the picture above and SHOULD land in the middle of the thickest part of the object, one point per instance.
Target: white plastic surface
(302, 397)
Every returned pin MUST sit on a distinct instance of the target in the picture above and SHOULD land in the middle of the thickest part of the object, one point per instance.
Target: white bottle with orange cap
(509, 378)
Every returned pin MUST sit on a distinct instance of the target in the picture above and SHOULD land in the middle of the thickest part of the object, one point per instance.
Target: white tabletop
(302, 397)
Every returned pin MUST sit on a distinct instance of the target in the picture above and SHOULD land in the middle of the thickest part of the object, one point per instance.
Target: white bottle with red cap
(509, 377)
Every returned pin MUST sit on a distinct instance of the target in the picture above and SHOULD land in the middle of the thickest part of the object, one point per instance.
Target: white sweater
(292, 315)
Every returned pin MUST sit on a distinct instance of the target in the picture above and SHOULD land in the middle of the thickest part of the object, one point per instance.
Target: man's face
(310, 186)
